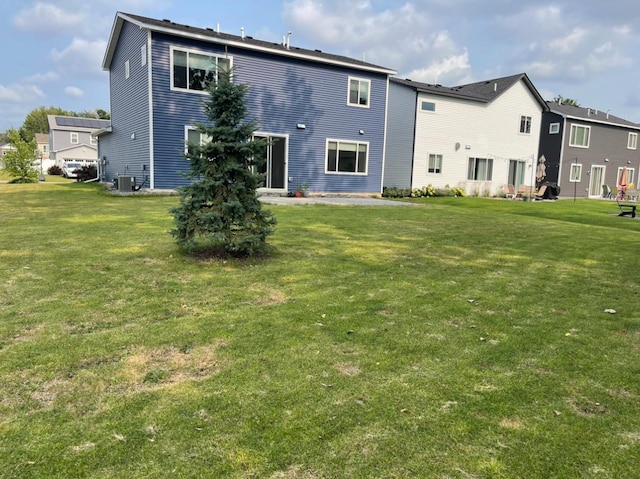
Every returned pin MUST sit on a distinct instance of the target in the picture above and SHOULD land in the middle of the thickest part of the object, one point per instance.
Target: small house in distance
(586, 149)
(479, 136)
(324, 114)
(71, 139)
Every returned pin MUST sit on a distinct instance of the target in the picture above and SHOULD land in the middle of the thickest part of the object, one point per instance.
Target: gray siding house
(72, 139)
(325, 114)
(586, 149)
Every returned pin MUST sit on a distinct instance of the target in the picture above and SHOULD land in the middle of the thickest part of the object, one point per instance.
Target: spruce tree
(219, 210)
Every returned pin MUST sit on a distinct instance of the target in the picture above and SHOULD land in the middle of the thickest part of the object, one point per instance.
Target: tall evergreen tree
(220, 210)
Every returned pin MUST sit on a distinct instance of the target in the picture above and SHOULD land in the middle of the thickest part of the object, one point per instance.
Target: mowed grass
(460, 338)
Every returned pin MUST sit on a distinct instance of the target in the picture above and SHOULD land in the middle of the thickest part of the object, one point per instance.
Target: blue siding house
(324, 113)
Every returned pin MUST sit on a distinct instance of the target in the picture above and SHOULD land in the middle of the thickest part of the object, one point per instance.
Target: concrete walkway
(332, 200)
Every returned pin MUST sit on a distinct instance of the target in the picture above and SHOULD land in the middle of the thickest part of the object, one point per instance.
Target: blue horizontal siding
(282, 93)
(129, 110)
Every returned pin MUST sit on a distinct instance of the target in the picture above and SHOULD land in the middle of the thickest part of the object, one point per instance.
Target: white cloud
(46, 19)
(448, 71)
(74, 91)
(569, 43)
(81, 57)
(404, 38)
(42, 77)
(20, 93)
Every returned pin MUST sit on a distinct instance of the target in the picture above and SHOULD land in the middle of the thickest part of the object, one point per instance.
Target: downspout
(152, 176)
(384, 137)
(560, 162)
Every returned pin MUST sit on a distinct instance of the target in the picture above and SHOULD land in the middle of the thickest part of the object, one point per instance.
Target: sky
(52, 50)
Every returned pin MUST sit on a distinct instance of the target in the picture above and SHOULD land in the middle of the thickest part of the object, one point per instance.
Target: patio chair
(606, 191)
(510, 191)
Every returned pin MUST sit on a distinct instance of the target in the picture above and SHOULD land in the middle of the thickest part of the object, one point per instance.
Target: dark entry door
(274, 165)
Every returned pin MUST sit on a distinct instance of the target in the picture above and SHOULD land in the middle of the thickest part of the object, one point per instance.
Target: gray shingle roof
(484, 91)
(589, 114)
(250, 43)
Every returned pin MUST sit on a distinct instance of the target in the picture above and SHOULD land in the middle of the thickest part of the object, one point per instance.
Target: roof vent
(495, 87)
(286, 40)
(242, 32)
(588, 111)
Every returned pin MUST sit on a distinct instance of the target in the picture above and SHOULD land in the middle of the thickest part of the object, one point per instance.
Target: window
(525, 125)
(93, 140)
(143, 55)
(45, 148)
(347, 157)
(192, 71)
(516, 173)
(580, 136)
(428, 106)
(127, 70)
(75, 137)
(480, 169)
(435, 164)
(359, 92)
(630, 176)
(193, 137)
(575, 173)
(632, 142)
(554, 128)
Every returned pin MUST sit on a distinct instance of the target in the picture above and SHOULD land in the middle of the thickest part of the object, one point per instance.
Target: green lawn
(465, 338)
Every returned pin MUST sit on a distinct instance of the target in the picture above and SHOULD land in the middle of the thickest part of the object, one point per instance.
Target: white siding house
(480, 136)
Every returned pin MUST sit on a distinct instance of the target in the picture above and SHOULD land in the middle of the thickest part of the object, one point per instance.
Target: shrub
(55, 170)
(393, 192)
(87, 172)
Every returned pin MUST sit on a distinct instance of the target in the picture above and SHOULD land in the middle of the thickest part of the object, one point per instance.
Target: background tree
(566, 101)
(220, 210)
(19, 162)
(36, 121)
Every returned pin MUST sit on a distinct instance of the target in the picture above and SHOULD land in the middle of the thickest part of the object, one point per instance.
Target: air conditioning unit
(126, 184)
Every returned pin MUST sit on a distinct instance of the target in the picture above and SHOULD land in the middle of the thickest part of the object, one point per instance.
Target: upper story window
(359, 92)
(580, 136)
(45, 148)
(347, 157)
(428, 106)
(143, 55)
(194, 70)
(632, 141)
(525, 125)
(93, 140)
(435, 164)
(74, 137)
(480, 169)
(575, 173)
(554, 128)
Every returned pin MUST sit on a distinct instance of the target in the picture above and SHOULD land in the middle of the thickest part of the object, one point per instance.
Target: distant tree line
(36, 121)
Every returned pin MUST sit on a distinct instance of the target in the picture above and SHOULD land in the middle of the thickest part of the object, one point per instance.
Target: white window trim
(428, 112)
(76, 135)
(528, 133)
(229, 58)
(631, 174)
(127, 69)
(359, 79)
(554, 128)
(348, 173)
(93, 140)
(571, 136)
(429, 160)
(571, 168)
(633, 146)
(143, 55)
(187, 129)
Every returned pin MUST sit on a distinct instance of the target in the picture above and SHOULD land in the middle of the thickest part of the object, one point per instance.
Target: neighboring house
(480, 136)
(4, 149)
(325, 114)
(42, 159)
(586, 149)
(71, 138)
